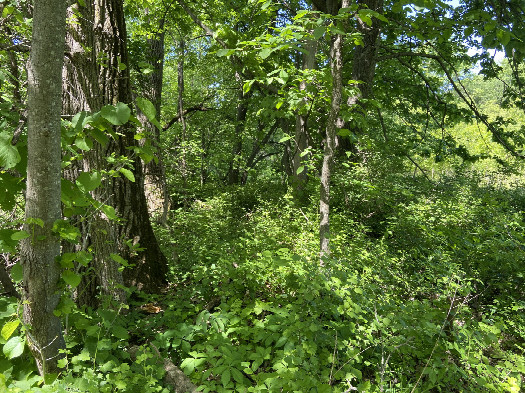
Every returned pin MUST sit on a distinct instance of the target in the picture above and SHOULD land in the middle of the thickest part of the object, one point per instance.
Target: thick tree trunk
(39, 251)
(91, 85)
(333, 123)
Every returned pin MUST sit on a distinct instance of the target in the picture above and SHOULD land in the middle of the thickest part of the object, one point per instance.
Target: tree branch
(462, 93)
(175, 119)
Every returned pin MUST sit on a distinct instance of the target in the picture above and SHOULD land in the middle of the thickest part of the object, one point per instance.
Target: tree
(97, 74)
(39, 251)
(332, 124)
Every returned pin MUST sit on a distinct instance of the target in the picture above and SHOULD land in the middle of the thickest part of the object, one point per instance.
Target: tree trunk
(39, 251)
(363, 67)
(333, 123)
(300, 173)
(242, 111)
(151, 88)
(92, 85)
(182, 119)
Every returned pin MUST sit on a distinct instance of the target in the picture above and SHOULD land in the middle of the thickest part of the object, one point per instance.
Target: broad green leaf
(35, 221)
(237, 375)
(71, 278)
(225, 52)
(147, 107)
(9, 328)
(109, 211)
(300, 14)
(65, 230)
(300, 169)
(66, 260)
(84, 143)
(14, 347)
(265, 53)
(119, 332)
(10, 190)
(100, 136)
(128, 174)
(80, 120)
(319, 32)
(225, 377)
(9, 155)
(17, 272)
(247, 86)
(83, 257)
(19, 235)
(7, 244)
(116, 115)
(285, 138)
(88, 181)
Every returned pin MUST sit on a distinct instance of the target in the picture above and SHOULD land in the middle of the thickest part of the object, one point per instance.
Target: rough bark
(363, 66)
(39, 252)
(91, 83)
(151, 88)
(333, 123)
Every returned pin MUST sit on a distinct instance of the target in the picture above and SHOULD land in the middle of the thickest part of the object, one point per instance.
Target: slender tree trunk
(180, 105)
(300, 173)
(242, 111)
(363, 66)
(39, 251)
(333, 123)
(151, 88)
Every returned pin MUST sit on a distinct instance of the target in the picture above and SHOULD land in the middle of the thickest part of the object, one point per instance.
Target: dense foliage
(423, 288)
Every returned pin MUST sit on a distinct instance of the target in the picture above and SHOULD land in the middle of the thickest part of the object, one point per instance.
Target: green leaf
(19, 235)
(35, 221)
(300, 169)
(117, 258)
(100, 136)
(110, 212)
(7, 244)
(80, 120)
(237, 375)
(84, 143)
(247, 86)
(71, 278)
(17, 272)
(225, 52)
(128, 174)
(116, 115)
(14, 347)
(66, 230)
(285, 138)
(319, 32)
(88, 181)
(9, 155)
(147, 107)
(265, 53)
(9, 328)
(300, 14)
(119, 332)
(225, 377)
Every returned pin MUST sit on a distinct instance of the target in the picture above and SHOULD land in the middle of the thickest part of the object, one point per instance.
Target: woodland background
(262, 196)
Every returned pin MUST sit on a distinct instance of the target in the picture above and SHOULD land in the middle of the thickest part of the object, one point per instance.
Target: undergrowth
(423, 293)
